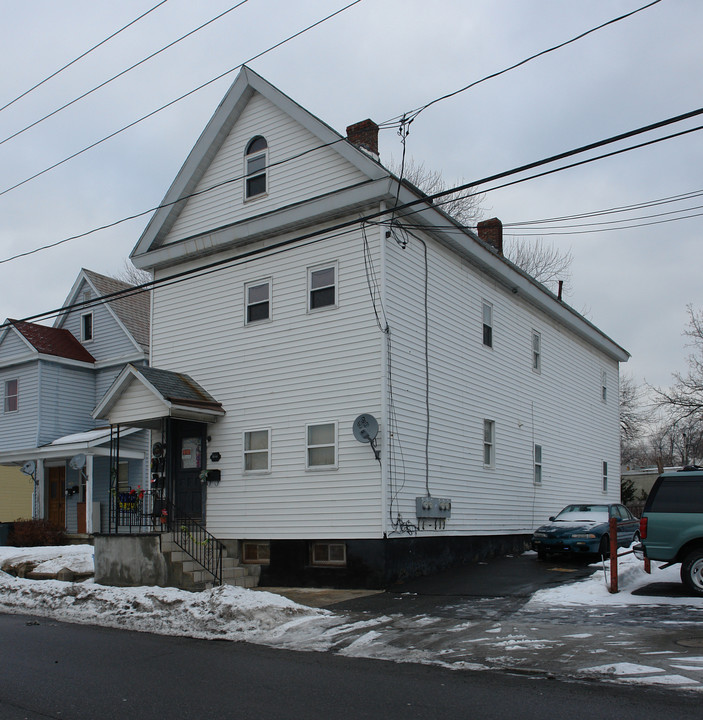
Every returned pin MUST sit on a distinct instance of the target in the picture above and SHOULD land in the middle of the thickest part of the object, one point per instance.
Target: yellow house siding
(15, 495)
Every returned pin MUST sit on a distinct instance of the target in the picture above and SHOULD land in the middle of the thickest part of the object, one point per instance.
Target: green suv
(671, 527)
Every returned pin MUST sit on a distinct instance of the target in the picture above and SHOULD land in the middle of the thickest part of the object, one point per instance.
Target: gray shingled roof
(178, 388)
(132, 310)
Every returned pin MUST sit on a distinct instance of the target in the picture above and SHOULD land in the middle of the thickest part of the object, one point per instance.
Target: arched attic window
(255, 162)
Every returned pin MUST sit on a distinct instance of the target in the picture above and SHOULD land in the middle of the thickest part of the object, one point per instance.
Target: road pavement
(477, 616)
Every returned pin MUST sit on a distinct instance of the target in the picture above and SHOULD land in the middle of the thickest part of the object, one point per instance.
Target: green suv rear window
(677, 496)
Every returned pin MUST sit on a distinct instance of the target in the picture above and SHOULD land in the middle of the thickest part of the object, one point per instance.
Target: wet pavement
(479, 616)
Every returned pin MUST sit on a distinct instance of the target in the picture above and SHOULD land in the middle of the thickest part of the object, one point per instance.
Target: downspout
(385, 389)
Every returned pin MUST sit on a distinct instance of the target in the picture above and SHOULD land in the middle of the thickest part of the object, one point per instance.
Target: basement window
(328, 554)
(256, 552)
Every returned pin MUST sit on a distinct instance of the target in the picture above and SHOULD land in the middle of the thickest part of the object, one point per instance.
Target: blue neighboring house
(50, 381)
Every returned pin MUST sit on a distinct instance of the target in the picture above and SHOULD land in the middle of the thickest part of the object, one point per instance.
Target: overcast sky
(377, 59)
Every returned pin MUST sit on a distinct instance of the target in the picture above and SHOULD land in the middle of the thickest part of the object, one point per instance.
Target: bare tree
(464, 207)
(685, 397)
(546, 263)
(633, 418)
(543, 262)
(132, 275)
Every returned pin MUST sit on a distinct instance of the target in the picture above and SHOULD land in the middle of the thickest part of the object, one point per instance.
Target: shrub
(34, 533)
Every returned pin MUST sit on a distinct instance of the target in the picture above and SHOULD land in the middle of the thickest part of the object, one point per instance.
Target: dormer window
(255, 162)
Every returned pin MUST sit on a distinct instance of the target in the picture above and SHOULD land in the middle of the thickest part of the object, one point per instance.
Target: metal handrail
(192, 537)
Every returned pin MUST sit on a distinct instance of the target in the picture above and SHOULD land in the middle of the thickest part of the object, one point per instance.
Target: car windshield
(579, 513)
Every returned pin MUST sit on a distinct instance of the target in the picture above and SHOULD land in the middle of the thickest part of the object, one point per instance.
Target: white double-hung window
(257, 450)
(258, 301)
(321, 445)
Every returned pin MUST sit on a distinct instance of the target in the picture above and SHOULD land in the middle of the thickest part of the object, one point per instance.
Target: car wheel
(636, 537)
(692, 571)
(604, 547)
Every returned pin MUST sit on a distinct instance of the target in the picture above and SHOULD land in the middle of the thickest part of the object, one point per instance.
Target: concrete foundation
(130, 561)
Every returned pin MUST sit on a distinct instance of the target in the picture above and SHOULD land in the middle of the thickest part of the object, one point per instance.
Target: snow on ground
(266, 618)
(224, 612)
(631, 577)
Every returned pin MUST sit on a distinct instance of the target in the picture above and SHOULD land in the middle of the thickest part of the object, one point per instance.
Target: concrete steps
(189, 574)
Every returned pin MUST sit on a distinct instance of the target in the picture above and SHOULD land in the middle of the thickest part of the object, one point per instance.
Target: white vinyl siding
(302, 368)
(319, 172)
(465, 388)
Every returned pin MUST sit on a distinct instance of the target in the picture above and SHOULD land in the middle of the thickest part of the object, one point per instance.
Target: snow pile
(49, 560)
(225, 612)
(631, 576)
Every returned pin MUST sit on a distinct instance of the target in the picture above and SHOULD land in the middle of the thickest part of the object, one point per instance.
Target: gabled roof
(215, 134)
(163, 393)
(131, 311)
(52, 341)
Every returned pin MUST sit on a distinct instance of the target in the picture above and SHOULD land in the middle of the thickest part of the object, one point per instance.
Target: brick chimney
(364, 135)
(491, 232)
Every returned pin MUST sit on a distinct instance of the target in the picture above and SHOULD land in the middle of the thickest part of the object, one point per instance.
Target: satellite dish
(365, 428)
(29, 467)
(157, 449)
(77, 462)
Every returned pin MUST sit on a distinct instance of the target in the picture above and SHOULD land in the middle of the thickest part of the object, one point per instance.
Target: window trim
(537, 460)
(245, 452)
(487, 327)
(249, 156)
(317, 268)
(536, 352)
(254, 284)
(489, 444)
(328, 544)
(604, 471)
(84, 317)
(334, 445)
(604, 386)
(7, 396)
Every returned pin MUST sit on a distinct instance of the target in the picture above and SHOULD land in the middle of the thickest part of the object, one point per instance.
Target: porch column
(89, 495)
(38, 509)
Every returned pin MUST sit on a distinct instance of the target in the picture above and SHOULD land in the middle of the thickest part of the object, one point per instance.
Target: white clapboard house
(51, 379)
(348, 394)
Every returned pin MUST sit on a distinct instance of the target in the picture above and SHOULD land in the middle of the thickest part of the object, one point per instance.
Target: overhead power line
(121, 73)
(82, 55)
(177, 100)
(409, 116)
(429, 199)
(348, 225)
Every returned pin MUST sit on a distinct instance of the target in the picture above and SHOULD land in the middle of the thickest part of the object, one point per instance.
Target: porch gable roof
(142, 396)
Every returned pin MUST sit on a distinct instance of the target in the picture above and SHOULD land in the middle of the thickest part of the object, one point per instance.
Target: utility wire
(344, 226)
(81, 56)
(120, 74)
(429, 199)
(115, 223)
(177, 100)
(408, 117)
(466, 186)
